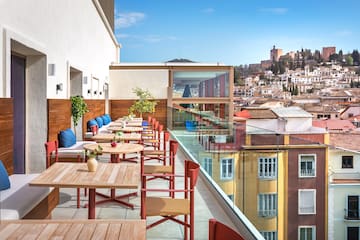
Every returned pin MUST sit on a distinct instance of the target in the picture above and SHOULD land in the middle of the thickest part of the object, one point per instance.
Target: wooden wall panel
(96, 108)
(120, 108)
(59, 117)
(6, 133)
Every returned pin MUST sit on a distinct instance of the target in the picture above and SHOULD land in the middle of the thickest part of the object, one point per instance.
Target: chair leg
(78, 197)
(186, 228)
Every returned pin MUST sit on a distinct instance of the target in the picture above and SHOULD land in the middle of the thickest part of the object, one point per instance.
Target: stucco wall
(123, 81)
(69, 33)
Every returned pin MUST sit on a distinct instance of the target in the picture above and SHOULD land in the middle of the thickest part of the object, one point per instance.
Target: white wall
(123, 81)
(298, 124)
(69, 33)
(66, 33)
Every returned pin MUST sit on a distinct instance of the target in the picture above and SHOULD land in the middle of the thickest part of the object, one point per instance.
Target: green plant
(78, 108)
(145, 103)
(93, 153)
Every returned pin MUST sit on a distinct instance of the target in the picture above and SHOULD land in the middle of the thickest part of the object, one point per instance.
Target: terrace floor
(206, 206)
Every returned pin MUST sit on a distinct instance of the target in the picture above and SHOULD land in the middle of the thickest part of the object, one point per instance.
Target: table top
(73, 229)
(76, 175)
(128, 120)
(128, 124)
(120, 147)
(125, 129)
(108, 137)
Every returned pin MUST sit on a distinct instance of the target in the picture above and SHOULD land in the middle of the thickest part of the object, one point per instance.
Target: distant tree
(356, 57)
(296, 90)
(349, 60)
(340, 56)
(334, 57)
(317, 56)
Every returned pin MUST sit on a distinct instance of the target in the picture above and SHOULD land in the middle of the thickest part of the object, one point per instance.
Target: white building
(52, 49)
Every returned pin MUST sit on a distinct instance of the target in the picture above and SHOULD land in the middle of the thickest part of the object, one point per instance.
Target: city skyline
(231, 32)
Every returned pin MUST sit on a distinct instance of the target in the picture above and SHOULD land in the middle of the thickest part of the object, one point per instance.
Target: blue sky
(232, 32)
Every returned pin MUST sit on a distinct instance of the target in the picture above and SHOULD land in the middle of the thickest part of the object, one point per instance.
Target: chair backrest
(51, 148)
(94, 129)
(220, 231)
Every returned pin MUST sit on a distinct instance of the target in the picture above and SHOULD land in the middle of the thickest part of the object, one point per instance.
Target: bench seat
(17, 201)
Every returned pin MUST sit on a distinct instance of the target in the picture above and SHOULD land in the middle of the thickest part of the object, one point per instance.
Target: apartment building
(344, 186)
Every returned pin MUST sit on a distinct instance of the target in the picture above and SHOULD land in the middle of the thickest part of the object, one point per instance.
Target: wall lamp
(59, 87)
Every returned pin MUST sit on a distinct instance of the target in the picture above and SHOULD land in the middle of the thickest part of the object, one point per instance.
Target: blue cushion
(105, 120)
(91, 123)
(67, 138)
(99, 121)
(4, 177)
(108, 117)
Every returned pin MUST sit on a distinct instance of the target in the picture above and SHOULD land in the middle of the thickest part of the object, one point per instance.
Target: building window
(207, 165)
(307, 165)
(267, 167)
(352, 233)
(353, 207)
(267, 205)
(307, 233)
(347, 162)
(269, 235)
(307, 201)
(226, 169)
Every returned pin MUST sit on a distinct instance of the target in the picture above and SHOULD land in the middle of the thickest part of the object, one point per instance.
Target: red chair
(164, 171)
(52, 156)
(170, 208)
(160, 151)
(219, 231)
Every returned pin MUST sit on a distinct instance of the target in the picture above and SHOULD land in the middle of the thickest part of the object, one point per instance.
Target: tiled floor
(205, 207)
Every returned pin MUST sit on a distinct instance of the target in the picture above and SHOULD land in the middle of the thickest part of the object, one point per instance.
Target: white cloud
(277, 11)
(208, 10)
(344, 33)
(125, 20)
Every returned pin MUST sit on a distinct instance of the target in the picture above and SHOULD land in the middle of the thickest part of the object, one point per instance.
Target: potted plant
(78, 109)
(91, 160)
(145, 104)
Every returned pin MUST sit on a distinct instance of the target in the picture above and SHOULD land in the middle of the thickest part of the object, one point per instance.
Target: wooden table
(76, 175)
(121, 148)
(108, 137)
(128, 120)
(125, 129)
(73, 229)
(128, 124)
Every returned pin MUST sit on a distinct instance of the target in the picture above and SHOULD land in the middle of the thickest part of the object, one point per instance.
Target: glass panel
(195, 84)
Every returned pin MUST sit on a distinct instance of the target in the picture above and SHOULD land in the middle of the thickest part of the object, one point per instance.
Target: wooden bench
(22, 201)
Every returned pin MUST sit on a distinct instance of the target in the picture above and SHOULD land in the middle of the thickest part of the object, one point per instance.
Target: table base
(113, 198)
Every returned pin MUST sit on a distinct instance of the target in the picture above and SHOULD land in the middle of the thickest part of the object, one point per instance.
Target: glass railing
(249, 167)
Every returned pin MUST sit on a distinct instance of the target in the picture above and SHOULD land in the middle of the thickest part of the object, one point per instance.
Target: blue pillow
(108, 117)
(99, 121)
(91, 123)
(67, 138)
(4, 177)
(105, 120)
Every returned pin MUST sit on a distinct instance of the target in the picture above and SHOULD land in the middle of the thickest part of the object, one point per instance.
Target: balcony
(352, 214)
(208, 204)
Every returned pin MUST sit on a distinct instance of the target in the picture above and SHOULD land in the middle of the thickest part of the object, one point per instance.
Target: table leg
(91, 207)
